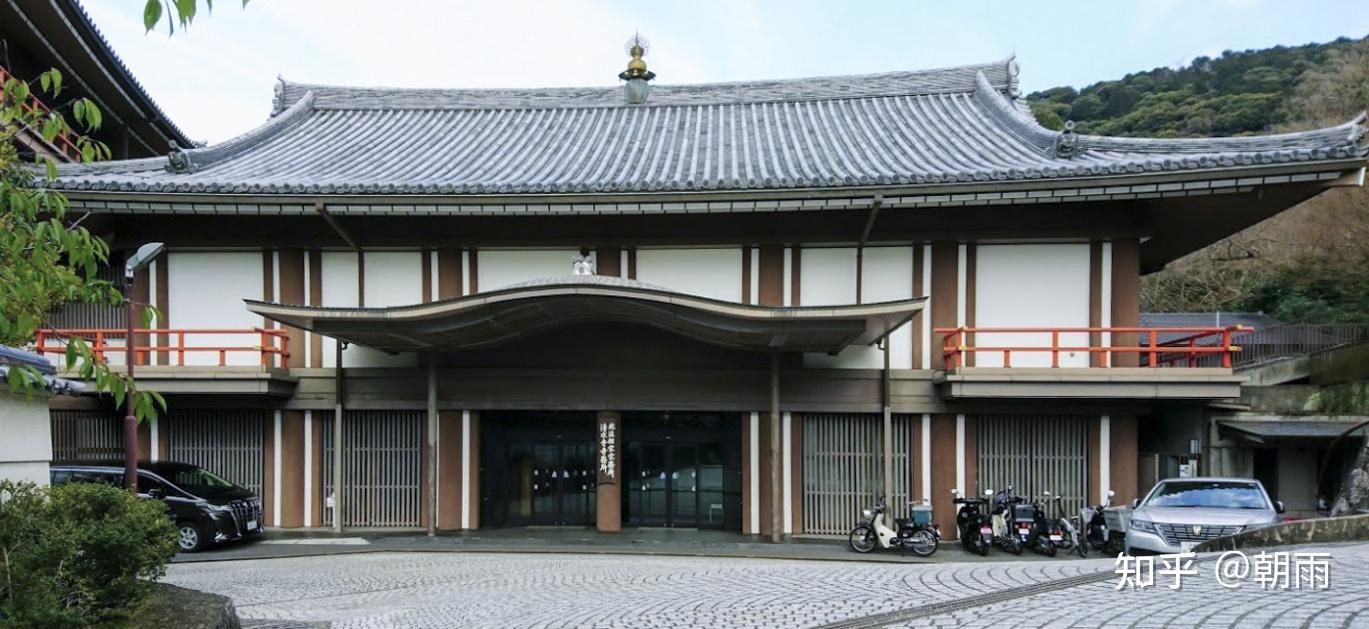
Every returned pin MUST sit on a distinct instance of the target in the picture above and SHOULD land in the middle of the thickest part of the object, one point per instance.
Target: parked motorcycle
(1063, 533)
(973, 522)
(1106, 528)
(1028, 523)
(917, 533)
(1003, 536)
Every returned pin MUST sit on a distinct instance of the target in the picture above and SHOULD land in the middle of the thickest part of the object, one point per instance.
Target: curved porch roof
(498, 316)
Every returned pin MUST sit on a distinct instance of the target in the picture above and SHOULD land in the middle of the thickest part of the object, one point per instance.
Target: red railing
(35, 105)
(273, 346)
(1185, 350)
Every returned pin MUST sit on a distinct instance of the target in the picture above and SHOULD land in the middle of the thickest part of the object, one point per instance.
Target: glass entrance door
(675, 484)
(558, 482)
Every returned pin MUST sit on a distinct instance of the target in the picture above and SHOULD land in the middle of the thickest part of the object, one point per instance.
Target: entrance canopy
(494, 317)
(1276, 430)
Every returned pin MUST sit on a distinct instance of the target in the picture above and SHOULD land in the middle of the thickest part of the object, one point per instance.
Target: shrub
(78, 554)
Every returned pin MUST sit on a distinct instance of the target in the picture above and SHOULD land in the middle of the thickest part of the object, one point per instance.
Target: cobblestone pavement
(439, 589)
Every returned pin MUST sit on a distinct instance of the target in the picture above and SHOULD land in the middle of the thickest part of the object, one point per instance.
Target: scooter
(1029, 526)
(911, 534)
(1063, 533)
(1003, 536)
(973, 522)
(1095, 524)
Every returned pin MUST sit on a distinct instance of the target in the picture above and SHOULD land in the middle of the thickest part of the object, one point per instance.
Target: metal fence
(381, 467)
(843, 468)
(1282, 341)
(1034, 454)
(225, 442)
(86, 435)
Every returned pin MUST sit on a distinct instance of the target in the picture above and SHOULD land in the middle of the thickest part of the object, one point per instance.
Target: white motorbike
(917, 533)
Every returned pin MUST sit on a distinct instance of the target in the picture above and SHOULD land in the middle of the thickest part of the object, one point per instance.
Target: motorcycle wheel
(1014, 546)
(1047, 548)
(862, 539)
(981, 547)
(922, 542)
(1096, 538)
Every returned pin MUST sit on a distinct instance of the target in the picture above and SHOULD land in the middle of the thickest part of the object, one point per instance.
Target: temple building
(753, 306)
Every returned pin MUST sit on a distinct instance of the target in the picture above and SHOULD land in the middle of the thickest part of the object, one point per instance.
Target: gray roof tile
(950, 125)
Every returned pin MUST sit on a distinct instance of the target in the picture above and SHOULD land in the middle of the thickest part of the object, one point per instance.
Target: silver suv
(1180, 513)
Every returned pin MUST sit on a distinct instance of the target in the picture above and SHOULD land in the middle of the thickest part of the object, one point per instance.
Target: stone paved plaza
(443, 589)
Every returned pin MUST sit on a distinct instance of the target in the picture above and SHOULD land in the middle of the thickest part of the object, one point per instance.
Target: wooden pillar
(1123, 458)
(449, 470)
(291, 451)
(608, 512)
(430, 423)
(945, 293)
(943, 473)
(776, 491)
(1126, 299)
(292, 291)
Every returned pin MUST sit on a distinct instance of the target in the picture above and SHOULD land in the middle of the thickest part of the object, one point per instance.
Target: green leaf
(186, 10)
(152, 13)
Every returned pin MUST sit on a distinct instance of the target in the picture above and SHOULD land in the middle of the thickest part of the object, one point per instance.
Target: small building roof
(14, 357)
(921, 128)
(498, 316)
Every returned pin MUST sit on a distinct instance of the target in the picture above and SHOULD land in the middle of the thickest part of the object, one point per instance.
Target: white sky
(215, 79)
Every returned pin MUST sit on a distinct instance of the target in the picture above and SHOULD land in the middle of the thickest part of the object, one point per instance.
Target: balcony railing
(35, 105)
(1193, 347)
(206, 347)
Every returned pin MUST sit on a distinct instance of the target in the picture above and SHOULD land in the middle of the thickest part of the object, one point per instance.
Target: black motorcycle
(1003, 536)
(1028, 523)
(974, 523)
(1104, 529)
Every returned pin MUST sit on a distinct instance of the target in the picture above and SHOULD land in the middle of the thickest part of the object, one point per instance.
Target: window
(60, 477)
(1219, 494)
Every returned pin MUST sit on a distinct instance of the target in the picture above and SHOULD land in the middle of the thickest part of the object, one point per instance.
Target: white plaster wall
(338, 279)
(887, 275)
(393, 278)
(205, 289)
(1030, 286)
(500, 268)
(715, 273)
(26, 445)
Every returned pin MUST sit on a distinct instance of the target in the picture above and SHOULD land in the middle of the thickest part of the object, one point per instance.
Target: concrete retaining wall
(1320, 530)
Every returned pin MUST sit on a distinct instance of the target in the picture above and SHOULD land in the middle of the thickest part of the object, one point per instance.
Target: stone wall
(1316, 531)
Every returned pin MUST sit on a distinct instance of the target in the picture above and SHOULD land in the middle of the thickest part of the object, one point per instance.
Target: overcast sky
(215, 79)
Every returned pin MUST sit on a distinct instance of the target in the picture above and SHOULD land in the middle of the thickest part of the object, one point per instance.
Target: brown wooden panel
(945, 295)
(292, 291)
(291, 451)
(163, 301)
(315, 290)
(316, 471)
(608, 514)
(1095, 300)
(449, 470)
(972, 453)
(971, 255)
(361, 279)
(1094, 463)
(426, 274)
(796, 272)
(747, 297)
(1123, 459)
(1126, 297)
(918, 291)
(268, 283)
(915, 460)
(632, 264)
(450, 278)
(943, 473)
(141, 288)
(609, 261)
(474, 276)
(770, 287)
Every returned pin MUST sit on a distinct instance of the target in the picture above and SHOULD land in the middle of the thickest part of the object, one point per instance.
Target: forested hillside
(1309, 264)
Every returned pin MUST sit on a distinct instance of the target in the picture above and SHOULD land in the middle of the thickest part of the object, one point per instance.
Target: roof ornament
(1067, 142)
(178, 161)
(636, 74)
(278, 95)
(582, 264)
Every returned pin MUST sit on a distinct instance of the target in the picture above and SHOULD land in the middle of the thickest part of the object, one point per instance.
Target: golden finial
(637, 47)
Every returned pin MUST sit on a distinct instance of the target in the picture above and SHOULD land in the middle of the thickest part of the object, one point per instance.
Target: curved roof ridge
(1002, 74)
(200, 157)
(1346, 136)
(1011, 117)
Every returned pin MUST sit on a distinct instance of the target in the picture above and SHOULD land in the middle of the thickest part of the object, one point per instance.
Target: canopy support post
(339, 392)
(776, 457)
(431, 445)
(888, 437)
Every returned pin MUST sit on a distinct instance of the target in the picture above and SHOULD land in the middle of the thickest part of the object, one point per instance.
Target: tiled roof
(942, 126)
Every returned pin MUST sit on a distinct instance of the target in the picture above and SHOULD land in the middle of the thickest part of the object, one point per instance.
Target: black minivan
(207, 509)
